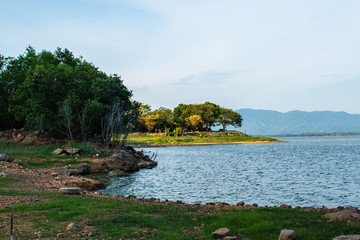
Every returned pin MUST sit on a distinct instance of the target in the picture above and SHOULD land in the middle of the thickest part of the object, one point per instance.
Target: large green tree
(58, 93)
(229, 117)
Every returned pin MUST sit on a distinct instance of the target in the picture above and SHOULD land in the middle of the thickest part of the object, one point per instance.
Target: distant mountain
(267, 122)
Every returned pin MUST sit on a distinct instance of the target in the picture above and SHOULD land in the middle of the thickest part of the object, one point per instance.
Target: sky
(278, 55)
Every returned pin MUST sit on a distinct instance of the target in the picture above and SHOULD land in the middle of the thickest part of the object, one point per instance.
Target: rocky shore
(123, 162)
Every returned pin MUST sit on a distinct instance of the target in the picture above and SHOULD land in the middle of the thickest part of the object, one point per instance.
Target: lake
(306, 171)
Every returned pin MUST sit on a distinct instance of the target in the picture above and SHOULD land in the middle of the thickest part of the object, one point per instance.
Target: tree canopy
(60, 94)
(189, 117)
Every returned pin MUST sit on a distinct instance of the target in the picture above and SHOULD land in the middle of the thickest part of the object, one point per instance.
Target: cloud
(205, 78)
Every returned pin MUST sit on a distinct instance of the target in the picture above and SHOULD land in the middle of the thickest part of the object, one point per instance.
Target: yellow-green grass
(195, 138)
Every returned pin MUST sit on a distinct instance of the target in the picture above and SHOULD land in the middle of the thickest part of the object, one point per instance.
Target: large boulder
(122, 160)
(221, 233)
(3, 157)
(288, 235)
(78, 169)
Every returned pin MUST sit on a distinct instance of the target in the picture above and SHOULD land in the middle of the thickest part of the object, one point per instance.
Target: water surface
(304, 171)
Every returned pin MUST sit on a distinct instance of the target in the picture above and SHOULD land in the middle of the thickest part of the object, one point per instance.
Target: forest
(57, 94)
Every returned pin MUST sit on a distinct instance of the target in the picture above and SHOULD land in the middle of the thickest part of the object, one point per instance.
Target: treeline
(187, 117)
(59, 95)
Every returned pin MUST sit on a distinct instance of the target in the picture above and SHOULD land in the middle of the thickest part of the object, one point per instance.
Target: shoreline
(203, 143)
(39, 189)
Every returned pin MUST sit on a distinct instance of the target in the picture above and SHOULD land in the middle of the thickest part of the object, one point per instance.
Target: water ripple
(303, 171)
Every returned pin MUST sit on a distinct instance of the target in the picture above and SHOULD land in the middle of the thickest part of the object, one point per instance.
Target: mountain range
(268, 122)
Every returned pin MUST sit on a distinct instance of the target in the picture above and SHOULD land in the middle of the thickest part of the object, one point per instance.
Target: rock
(70, 190)
(78, 169)
(285, 206)
(85, 183)
(18, 161)
(345, 215)
(355, 216)
(71, 227)
(347, 237)
(3, 157)
(146, 164)
(61, 235)
(288, 235)
(2, 174)
(58, 151)
(122, 161)
(230, 238)
(54, 174)
(255, 205)
(117, 173)
(240, 204)
(221, 233)
(73, 151)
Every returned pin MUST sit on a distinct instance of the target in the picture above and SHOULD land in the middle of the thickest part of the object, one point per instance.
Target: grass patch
(52, 163)
(194, 138)
(30, 152)
(6, 181)
(128, 219)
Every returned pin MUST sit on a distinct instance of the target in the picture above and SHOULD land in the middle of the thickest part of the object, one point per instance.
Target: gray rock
(147, 164)
(347, 237)
(221, 233)
(3, 157)
(58, 151)
(73, 151)
(70, 190)
(122, 161)
(117, 173)
(230, 238)
(2, 174)
(288, 235)
(78, 169)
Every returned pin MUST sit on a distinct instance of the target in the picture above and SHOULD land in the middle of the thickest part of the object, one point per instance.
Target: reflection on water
(304, 171)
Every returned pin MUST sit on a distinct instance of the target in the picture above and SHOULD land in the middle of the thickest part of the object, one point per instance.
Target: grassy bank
(113, 219)
(194, 138)
(41, 156)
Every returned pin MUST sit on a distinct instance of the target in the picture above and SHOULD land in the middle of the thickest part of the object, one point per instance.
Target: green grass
(129, 219)
(6, 181)
(52, 163)
(194, 138)
(41, 156)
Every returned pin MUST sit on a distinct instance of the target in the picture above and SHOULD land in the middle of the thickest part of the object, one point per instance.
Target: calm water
(304, 171)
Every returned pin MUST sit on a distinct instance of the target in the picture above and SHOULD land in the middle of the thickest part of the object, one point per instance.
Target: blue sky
(280, 55)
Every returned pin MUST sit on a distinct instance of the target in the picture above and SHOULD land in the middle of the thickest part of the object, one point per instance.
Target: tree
(57, 93)
(196, 122)
(150, 121)
(229, 117)
(165, 119)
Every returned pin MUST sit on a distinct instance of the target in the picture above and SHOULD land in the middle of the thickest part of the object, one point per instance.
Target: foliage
(229, 117)
(188, 117)
(195, 122)
(58, 94)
